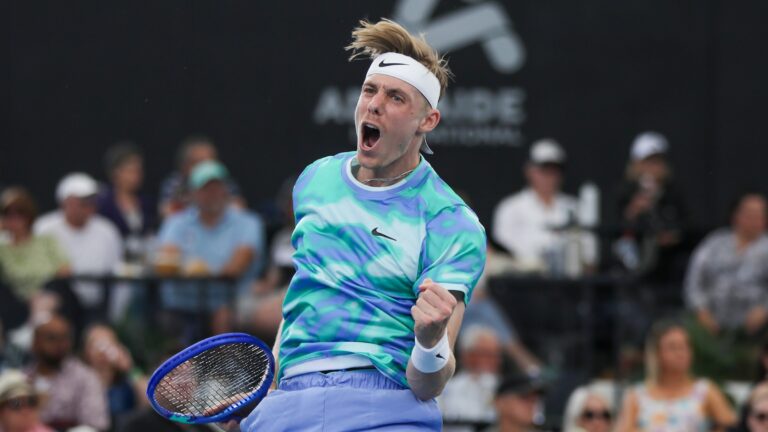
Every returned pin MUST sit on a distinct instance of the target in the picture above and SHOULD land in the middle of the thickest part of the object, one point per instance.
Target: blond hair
(371, 40)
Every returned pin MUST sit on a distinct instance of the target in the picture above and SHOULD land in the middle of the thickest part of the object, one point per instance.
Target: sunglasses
(596, 415)
(19, 403)
(760, 416)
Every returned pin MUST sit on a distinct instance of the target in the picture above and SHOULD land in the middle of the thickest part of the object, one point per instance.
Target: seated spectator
(671, 399)
(19, 404)
(27, 262)
(518, 404)
(131, 213)
(91, 243)
(211, 238)
(468, 395)
(590, 409)
(727, 289)
(262, 311)
(71, 392)
(145, 419)
(483, 310)
(175, 194)
(757, 412)
(650, 211)
(112, 362)
(529, 223)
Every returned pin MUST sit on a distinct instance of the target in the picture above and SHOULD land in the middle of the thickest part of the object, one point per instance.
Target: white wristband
(432, 359)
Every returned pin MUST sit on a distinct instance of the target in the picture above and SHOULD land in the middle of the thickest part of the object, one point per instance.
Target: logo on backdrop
(485, 115)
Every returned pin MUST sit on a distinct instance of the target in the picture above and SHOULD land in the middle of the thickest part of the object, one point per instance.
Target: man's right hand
(708, 321)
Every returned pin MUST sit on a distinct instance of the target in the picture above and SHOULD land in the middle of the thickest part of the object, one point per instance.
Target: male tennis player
(386, 258)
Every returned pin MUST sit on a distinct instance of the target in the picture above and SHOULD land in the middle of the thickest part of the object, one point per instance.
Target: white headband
(409, 70)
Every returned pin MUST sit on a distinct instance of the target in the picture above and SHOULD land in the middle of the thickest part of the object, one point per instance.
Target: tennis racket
(214, 380)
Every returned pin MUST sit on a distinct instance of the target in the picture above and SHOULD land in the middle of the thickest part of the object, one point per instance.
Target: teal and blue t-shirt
(362, 252)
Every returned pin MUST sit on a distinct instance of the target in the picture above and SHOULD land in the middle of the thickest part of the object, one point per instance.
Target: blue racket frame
(195, 349)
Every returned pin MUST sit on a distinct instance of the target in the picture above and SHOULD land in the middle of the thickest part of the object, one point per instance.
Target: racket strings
(214, 379)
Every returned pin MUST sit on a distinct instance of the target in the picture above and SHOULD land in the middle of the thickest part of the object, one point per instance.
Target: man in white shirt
(468, 397)
(528, 223)
(91, 242)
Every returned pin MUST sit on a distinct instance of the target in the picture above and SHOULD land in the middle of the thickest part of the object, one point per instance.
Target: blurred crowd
(94, 294)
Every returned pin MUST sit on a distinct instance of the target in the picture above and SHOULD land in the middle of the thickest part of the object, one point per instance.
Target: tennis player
(386, 259)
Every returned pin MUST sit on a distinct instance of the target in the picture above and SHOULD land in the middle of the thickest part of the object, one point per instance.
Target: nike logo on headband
(382, 64)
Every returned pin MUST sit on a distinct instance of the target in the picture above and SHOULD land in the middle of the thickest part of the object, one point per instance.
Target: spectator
(72, 393)
(759, 389)
(145, 418)
(262, 311)
(485, 311)
(671, 399)
(650, 211)
(19, 404)
(518, 404)
(528, 223)
(131, 213)
(757, 419)
(91, 243)
(175, 194)
(590, 409)
(727, 289)
(113, 364)
(211, 238)
(468, 395)
(27, 262)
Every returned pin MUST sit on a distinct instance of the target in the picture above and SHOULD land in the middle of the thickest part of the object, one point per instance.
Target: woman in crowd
(590, 409)
(132, 213)
(671, 400)
(27, 261)
(19, 404)
(112, 362)
(757, 411)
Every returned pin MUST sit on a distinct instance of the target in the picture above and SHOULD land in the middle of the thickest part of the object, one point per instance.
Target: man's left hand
(431, 313)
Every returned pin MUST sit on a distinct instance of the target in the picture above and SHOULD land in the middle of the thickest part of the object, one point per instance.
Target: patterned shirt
(685, 414)
(725, 281)
(74, 396)
(362, 252)
(26, 267)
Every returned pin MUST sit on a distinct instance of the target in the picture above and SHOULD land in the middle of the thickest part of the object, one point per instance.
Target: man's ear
(429, 122)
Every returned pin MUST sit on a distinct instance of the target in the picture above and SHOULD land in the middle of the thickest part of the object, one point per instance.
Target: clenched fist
(431, 313)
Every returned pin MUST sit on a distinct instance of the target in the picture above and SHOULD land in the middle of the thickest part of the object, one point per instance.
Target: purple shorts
(361, 400)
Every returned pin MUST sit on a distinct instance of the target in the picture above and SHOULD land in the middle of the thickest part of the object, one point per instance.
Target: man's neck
(389, 175)
(211, 219)
(75, 226)
(510, 426)
(46, 369)
(548, 199)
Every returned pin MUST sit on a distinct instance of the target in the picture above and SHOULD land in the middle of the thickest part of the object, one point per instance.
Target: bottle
(589, 205)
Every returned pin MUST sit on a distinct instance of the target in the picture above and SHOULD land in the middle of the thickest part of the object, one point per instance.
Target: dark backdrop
(81, 75)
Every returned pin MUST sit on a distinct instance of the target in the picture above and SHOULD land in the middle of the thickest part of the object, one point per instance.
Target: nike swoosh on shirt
(376, 233)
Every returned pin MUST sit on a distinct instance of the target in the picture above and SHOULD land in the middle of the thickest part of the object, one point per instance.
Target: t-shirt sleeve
(171, 232)
(453, 251)
(56, 254)
(250, 234)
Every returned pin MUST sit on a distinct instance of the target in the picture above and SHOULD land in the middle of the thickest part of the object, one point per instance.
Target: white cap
(648, 144)
(78, 185)
(547, 151)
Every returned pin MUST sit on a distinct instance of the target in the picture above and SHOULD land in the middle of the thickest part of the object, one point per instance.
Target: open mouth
(370, 134)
